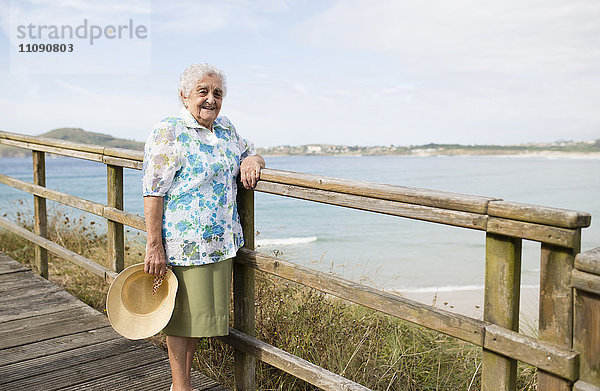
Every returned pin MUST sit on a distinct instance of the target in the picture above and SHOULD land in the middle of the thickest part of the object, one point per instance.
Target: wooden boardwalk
(49, 340)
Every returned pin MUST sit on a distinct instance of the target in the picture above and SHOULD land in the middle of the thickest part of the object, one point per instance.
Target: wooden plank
(97, 157)
(80, 373)
(541, 233)
(152, 376)
(63, 198)
(51, 303)
(129, 154)
(56, 345)
(53, 362)
(556, 306)
(394, 208)
(586, 281)
(115, 234)
(9, 282)
(410, 195)
(96, 208)
(9, 266)
(243, 294)
(289, 363)
(28, 291)
(539, 214)
(549, 357)
(584, 386)
(13, 270)
(66, 152)
(15, 143)
(54, 248)
(456, 325)
(589, 261)
(126, 218)
(127, 163)
(501, 307)
(40, 221)
(49, 325)
(52, 142)
(586, 335)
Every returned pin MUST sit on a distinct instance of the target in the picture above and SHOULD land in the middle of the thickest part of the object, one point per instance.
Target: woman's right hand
(155, 261)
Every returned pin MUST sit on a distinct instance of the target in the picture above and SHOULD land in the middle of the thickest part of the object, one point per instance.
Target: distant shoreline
(559, 149)
(547, 154)
(563, 149)
(516, 155)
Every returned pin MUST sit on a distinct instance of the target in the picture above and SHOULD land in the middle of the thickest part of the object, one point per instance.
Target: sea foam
(286, 241)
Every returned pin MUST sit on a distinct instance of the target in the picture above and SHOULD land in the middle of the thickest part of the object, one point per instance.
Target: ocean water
(382, 251)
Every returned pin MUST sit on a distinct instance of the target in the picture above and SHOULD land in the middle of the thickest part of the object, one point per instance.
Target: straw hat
(133, 309)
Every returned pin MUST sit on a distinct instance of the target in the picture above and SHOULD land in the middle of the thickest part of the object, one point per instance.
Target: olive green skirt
(202, 301)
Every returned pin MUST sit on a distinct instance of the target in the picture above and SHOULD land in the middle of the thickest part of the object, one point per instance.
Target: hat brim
(134, 325)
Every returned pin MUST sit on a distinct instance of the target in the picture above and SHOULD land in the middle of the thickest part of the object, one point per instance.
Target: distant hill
(79, 136)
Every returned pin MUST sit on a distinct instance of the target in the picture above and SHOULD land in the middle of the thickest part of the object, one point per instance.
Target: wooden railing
(567, 352)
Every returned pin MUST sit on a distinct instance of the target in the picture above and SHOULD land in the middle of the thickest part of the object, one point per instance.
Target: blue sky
(341, 72)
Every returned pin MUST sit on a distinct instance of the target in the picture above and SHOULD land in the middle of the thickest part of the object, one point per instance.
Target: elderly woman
(191, 163)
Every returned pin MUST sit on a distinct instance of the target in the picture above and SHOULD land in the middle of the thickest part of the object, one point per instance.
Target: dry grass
(376, 350)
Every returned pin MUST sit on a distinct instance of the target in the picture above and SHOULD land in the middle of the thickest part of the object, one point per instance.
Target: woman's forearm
(155, 261)
(153, 213)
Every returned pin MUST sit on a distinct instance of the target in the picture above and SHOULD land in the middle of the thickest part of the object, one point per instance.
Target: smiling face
(205, 99)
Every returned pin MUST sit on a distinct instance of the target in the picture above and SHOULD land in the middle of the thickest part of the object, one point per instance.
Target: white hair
(194, 73)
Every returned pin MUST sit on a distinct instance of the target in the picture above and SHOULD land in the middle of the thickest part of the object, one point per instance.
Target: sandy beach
(469, 302)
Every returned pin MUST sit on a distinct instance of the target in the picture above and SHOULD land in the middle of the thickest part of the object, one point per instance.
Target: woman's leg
(180, 359)
(191, 350)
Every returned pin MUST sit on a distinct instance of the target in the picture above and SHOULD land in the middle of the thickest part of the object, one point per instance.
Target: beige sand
(470, 303)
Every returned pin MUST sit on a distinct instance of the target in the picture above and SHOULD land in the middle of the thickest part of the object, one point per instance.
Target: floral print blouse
(195, 170)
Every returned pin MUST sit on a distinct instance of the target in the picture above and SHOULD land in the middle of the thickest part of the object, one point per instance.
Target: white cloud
(78, 89)
(500, 36)
(193, 17)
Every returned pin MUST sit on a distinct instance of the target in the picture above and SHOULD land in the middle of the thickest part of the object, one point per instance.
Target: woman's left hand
(250, 170)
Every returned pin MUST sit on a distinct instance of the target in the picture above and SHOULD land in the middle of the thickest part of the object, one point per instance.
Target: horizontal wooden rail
(547, 234)
(563, 237)
(99, 270)
(437, 199)
(555, 217)
(419, 212)
(115, 156)
(113, 214)
(584, 386)
(289, 363)
(409, 195)
(543, 355)
(586, 281)
(554, 359)
(459, 326)
(589, 261)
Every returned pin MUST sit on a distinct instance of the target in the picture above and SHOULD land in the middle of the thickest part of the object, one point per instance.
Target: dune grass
(371, 348)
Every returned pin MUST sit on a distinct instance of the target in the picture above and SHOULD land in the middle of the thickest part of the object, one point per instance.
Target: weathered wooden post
(115, 236)
(556, 304)
(39, 207)
(586, 330)
(501, 306)
(243, 295)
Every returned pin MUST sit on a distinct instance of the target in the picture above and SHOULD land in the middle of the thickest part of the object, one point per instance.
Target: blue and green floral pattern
(195, 170)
